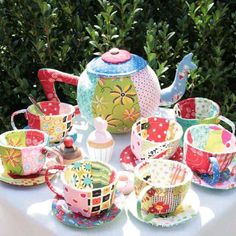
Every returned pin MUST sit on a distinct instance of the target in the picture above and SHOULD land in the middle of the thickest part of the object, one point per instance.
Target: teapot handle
(47, 79)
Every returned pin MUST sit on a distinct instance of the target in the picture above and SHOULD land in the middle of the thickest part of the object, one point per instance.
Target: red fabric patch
(33, 121)
(187, 108)
(158, 129)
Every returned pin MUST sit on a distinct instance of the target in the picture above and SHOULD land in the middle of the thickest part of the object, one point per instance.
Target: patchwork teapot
(119, 87)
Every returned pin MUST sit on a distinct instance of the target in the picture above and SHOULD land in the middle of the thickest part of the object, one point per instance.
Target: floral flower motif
(76, 165)
(190, 114)
(101, 82)
(99, 103)
(15, 142)
(75, 180)
(112, 122)
(158, 207)
(87, 166)
(87, 181)
(131, 114)
(12, 156)
(122, 96)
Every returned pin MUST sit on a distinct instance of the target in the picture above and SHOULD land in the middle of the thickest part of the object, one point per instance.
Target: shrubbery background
(66, 35)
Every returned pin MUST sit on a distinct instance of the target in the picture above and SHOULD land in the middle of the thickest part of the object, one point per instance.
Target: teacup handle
(150, 216)
(54, 189)
(228, 122)
(216, 172)
(57, 153)
(13, 116)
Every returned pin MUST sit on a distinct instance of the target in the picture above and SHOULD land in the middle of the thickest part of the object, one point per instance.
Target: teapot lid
(116, 62)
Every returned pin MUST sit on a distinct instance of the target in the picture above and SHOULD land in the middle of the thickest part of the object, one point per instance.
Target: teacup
(209, 149)
(56, 120)
(155, 137)
(194, 111)
(23, 152)
(160, 186)
(88, 186)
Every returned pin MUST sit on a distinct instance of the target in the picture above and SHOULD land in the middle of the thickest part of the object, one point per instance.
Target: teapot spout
(176, 90)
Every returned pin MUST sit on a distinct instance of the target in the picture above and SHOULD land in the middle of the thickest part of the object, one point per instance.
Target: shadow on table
(41, 212)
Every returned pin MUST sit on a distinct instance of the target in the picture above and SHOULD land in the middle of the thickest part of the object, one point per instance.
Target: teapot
(120, 87)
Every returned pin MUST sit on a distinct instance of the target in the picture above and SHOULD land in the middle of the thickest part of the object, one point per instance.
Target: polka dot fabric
(155, 137)
(158, 129)
(128, 160)
(148, 90)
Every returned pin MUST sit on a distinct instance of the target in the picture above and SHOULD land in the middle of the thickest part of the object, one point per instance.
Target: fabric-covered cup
(209, 149)
(160, 186)
(23, 152)
(194, 111)
(155, 137)
(88, 186)
(56, 120)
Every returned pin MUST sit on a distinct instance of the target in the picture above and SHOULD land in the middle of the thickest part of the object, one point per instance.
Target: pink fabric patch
(148, 90)
(77, 202)
(136, 145)
(119, 57)
(32, 160)
(226, 136)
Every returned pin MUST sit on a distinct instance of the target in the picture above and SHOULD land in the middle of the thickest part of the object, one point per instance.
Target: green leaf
(210, 6)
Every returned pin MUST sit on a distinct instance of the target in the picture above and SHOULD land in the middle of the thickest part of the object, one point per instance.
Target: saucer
(185, 212)
(27, 180)
(65, 215)
(128, 160)
(230, 183)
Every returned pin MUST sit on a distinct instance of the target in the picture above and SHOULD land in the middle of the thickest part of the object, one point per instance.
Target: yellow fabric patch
(214, 142)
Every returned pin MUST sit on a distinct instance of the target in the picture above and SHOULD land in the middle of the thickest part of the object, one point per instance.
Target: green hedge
(66, 35)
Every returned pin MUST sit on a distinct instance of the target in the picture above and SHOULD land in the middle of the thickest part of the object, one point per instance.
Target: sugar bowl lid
(116, 62)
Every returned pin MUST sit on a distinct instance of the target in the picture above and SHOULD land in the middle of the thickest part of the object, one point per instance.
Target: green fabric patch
(116, 101)
(11, 160)
(16, 139)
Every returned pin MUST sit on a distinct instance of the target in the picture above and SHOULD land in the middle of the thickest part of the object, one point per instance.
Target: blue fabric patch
(99, 67)
(85, 92)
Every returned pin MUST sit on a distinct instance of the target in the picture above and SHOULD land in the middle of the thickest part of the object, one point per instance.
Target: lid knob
(116, 55)
(114, 51)
(70, 152)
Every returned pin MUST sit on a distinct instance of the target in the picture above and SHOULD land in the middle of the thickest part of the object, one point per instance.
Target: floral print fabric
(115, 100)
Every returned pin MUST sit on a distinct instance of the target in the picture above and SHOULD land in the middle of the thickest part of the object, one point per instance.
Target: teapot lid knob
(116, 55)
(114, 51)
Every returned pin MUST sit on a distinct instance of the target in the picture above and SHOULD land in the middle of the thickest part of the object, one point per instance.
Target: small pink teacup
(88, 186)
(56, 120)
(23, 152)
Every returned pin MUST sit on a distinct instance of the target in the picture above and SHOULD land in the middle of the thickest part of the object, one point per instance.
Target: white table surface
(27, 210)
